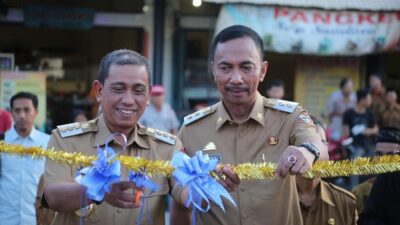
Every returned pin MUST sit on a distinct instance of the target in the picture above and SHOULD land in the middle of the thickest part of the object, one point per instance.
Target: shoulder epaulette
(281, 105)
(161, 135)
(73, 129)
(348, 193)
(198, 115)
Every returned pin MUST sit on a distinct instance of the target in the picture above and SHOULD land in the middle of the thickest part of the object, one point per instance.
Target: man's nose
(128, 98)
(236, 77)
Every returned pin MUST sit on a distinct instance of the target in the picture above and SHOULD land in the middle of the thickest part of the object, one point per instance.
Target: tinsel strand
(246, 171)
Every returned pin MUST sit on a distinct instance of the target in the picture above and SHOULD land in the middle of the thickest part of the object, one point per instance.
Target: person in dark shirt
(382, 206)
(360, 124)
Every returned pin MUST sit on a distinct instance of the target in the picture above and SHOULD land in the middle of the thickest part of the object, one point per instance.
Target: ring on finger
(292, 160)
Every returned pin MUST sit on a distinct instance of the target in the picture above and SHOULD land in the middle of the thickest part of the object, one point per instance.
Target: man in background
(338, 102)
(322, 202)
(159, 114)
(20, 174)
(389, 115)
(377, 93)
(275, 89)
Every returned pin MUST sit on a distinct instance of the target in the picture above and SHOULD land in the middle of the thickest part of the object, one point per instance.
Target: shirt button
(241, 134)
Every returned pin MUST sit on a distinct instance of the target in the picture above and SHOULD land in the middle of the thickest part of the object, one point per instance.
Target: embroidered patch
(303, 117)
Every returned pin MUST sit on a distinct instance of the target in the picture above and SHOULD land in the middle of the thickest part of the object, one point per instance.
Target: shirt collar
(257, 112)
(103, 133)
(325, 194)
(33, 135)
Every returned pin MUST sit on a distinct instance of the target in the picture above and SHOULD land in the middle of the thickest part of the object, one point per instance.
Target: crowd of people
(243, 126)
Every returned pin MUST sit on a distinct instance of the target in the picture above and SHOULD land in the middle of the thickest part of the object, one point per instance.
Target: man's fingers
(296, 168)
(233, 177)
(304, 169)
(125, 185)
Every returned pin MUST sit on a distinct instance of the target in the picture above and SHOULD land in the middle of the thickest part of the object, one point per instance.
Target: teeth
(126, 111)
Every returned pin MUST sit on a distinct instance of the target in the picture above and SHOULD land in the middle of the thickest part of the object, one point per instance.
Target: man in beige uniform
(122, 90)
(246, 127)
(323, 203)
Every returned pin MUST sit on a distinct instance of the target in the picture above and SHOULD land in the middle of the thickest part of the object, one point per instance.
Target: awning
(318, 32)
(373, 5)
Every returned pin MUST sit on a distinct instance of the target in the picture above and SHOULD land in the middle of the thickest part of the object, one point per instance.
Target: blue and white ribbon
(193, 173)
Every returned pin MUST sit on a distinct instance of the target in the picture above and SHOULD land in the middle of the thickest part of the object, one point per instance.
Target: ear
(98, 87)
(212, 69)
(264, 69)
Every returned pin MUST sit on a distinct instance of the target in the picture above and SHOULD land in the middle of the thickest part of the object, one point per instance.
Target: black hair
(390, 89)
(121, 57)
(362, 94)
(274, 83)
(26, 95)
(389, 134)
(343, 82)
(234, 32)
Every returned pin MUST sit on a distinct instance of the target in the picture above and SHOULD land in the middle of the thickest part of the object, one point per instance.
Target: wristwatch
(311, 148)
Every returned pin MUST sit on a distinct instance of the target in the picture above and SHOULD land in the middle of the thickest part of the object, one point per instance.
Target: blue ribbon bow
(142, 181)
(193, 173)
(98, 177)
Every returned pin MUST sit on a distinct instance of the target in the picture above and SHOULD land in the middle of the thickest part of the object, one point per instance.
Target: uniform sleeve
(56, 172)
(303, 128)
(176, 190)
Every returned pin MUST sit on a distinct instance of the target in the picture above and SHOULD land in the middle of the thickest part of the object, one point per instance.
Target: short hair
(26, 95)
(122, 57)
(389, 134)
(362, 94)
(343, 82)
(275, 83)
(234, 32)
(390, 89)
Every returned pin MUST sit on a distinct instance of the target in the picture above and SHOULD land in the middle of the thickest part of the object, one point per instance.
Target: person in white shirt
(338, 102)
(159, 114)
(20, 174)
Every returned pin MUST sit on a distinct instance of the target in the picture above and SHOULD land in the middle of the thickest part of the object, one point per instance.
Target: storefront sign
(58, 17)
(321, 32)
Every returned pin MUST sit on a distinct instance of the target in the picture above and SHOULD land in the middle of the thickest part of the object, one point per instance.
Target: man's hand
(121, 196)
(294, 161)
(227, 178)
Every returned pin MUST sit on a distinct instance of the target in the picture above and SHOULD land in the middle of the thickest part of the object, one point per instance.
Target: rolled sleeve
(304, 130)
(57, 172)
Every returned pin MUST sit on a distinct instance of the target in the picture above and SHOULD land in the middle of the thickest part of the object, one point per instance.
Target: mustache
(236, 88)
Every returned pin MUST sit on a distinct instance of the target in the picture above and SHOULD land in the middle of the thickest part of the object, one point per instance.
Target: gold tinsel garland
(246, 171)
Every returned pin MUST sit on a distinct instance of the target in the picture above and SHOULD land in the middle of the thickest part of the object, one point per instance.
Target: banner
(34, 82)
(54, 16)
(317, 32)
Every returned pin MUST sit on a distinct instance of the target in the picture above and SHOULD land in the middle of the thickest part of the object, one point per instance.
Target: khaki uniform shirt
(390, 117)
(147, 143)
(264, 136)
(334, 206)
(362, 192)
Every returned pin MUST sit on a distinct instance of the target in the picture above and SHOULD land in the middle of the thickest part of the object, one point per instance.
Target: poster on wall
(316, 31)
(317, 78)
(34, 82)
